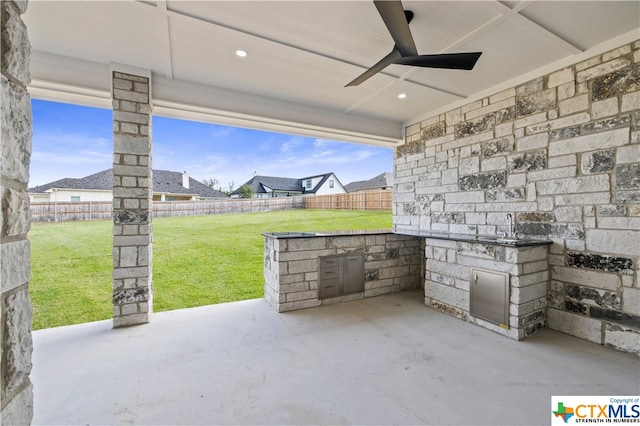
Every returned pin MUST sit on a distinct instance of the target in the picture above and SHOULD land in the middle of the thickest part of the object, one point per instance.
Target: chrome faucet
(511, 230)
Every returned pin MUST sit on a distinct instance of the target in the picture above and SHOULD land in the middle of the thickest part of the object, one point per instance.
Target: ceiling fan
(404, 52)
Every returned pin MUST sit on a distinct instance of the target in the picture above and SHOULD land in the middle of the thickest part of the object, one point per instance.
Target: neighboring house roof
(171, 182)
(264, 184)
(382, 181)
(99, 181)
(163, 181)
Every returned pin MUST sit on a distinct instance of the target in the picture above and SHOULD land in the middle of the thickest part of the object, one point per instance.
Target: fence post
(55, 211)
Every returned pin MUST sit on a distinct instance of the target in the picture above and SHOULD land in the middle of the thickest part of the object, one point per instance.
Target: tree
(211, 183)
(245, 191)
(232, 185)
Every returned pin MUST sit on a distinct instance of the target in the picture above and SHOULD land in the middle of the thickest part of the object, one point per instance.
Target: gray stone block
(600, 262)
(125, 76)
(596, 279)
(622, 338)
(615, 316)
(16, 48)
(591, 142)
(17, 344)
(618, 82)
(624, 242)
(628, 176)
(575, 325)
(303, 304)
(131, 96)
(446, 294)
(16, 217)
(19, 410)
(534, 103)
(606, 124)
(584, 184)
(15, 259)
(381, 290)
(15, 129)
(302, 295)
(434, 131)
(136, 272)
(528, 161)
(483, 181)
(129, 296)
(128, 320)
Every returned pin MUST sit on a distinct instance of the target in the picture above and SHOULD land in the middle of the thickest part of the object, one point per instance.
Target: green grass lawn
(196, 260)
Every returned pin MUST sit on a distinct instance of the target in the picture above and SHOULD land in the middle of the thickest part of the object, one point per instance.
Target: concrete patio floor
(384, 360)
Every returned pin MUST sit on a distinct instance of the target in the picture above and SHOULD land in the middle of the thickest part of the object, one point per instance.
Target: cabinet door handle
(475, 279)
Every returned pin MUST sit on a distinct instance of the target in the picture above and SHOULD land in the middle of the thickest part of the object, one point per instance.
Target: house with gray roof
(271, 186)
(167, 186)
(382, 181)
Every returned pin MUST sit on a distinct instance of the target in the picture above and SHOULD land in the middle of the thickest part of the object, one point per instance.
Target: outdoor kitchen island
(499, 285)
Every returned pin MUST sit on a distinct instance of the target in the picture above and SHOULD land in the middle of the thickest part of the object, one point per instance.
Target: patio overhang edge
(63, 79)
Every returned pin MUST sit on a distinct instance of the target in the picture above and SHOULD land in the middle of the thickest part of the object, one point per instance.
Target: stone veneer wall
(391, 263)
(132, 194)
(15, 306)
(562, 151)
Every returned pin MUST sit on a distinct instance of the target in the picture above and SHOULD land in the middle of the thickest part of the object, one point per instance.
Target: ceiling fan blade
(395, 19)
(391, 58)
(456, 61)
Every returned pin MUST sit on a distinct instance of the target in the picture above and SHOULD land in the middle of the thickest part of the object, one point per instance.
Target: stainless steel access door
(341, 274)
(490, 296)
(352, 273)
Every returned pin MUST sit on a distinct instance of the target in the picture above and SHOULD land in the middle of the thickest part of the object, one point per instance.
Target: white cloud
(68, 155)
(292, 144)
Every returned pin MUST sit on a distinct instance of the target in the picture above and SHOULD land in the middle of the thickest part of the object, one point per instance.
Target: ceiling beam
(515, 15)
(165, 44)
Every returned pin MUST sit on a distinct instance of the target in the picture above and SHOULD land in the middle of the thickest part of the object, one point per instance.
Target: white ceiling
(302, 53)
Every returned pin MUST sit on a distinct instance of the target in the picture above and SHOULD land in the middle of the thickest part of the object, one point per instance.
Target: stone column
(15, 306)
(132, 194)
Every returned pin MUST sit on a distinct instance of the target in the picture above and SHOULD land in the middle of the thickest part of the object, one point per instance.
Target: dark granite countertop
(482, 239)
(467, 238)
(303, 234)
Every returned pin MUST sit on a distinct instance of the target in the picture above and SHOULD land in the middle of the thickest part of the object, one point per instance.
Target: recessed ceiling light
(241, 53)
(402, 95)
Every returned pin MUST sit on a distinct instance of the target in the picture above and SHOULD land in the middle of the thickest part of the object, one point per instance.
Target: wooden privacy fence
(361, 200)
(219, 206)
(102, 210)
(71, 211)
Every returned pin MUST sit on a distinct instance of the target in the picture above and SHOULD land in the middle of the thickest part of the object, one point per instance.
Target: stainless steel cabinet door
(339, 275)
(352, 273)
(490, 296)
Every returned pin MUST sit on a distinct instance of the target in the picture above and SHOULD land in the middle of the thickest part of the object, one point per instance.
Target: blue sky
(75, 141)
